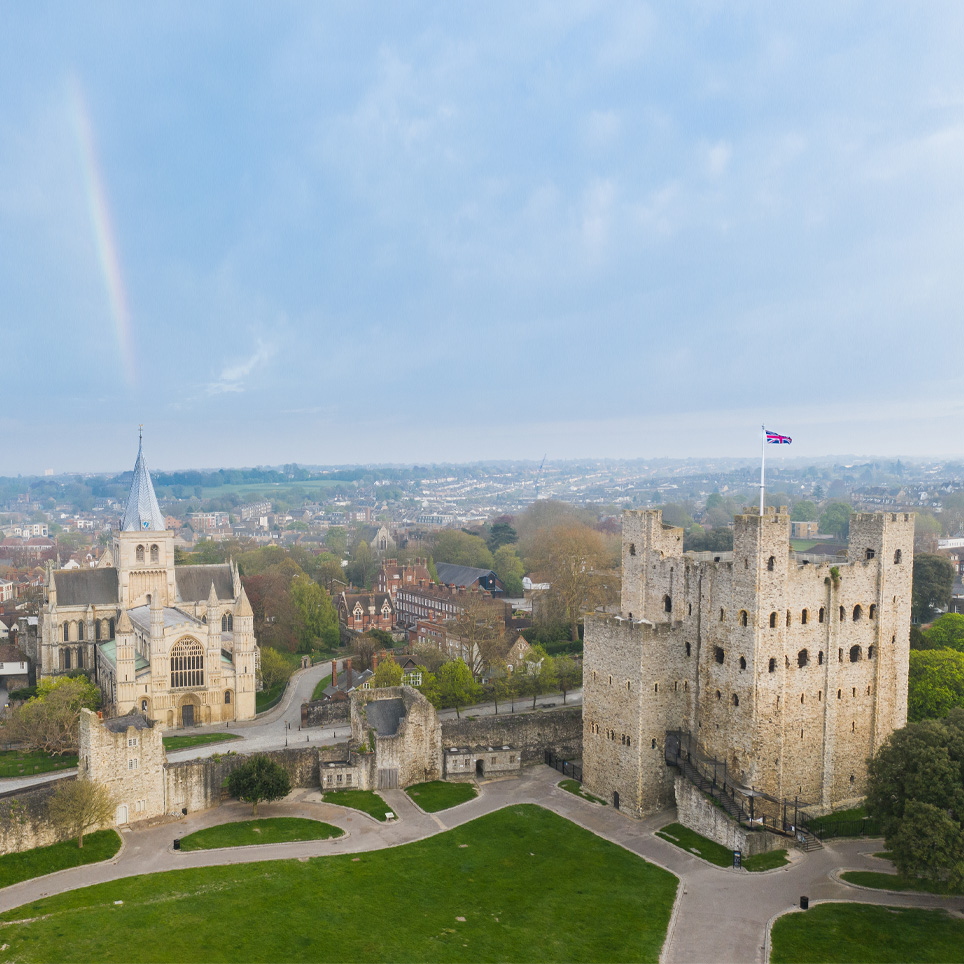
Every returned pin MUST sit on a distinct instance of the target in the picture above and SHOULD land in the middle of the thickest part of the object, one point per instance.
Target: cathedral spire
(142, 510)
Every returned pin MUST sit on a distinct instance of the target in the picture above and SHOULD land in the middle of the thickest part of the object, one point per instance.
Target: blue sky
(413, 232)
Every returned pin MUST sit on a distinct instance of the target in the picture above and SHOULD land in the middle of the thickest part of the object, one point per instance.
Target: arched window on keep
(771, 563)
(155, 554)
(667, 604)
(139, 553)
(773, 620)
(743, 617)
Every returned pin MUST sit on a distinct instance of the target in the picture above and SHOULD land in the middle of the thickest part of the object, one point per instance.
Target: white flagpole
(763, 458)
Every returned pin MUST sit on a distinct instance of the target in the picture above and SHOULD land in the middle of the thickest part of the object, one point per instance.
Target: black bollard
(804, 903)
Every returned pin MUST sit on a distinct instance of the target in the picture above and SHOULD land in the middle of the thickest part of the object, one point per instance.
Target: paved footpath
(721, 915)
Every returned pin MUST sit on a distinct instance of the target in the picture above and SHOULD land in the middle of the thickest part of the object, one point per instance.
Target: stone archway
(188, 711)
(227, 710)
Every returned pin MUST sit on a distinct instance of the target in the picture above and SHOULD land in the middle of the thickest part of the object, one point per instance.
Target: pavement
(720, 915)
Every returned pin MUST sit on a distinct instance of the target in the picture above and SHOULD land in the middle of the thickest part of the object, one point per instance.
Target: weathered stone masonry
(790, 672)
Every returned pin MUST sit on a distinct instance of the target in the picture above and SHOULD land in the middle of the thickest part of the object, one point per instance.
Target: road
(281, 725)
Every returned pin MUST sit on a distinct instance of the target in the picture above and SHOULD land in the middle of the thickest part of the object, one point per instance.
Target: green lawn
(714, 853)
(24, 763)
(439, 795)
(864, 934)
(879, 881)
(768, 861)
(197, 739)
(98, 846)
(575, 787)
(319, 690)
(521, 884)
(365, 800)
(269, 830)
(845, 823)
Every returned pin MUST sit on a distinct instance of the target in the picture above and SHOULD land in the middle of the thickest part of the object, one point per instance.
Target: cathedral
(174, 643)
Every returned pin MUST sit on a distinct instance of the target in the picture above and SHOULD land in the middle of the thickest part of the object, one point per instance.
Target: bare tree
(79, 806)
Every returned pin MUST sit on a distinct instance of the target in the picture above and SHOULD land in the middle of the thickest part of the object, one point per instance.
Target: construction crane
(539, 476)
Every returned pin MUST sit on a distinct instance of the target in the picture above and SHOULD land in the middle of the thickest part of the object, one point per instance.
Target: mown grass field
(98, 846)
(365, 800)
(521, 884)
(25, 763)
(196, 739)
(439, 795)
(245, 833)
(865, 934)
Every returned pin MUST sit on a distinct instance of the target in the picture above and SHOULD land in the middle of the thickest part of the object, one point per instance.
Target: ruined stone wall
(325, 713)
(696, 812)
(24, 823)
(197, 784)
(559, 730)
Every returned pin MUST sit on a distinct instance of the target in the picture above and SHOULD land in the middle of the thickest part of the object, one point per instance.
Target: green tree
(835, 520)
(456, 686)
(539, 671)
(933, 584)
(275, 668)
(363, 566)
(79, 806)
(935, 683)
(508, 567)
(49, 721)
(257, 779)
(804, 511)
(318, 619)
(947, 632)
(501, 534)
(915, 789)
(336, 538)
(388, 673)
(461, 549)
(568, 674)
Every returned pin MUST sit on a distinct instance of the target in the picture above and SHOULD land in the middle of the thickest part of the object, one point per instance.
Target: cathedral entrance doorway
(187, 714)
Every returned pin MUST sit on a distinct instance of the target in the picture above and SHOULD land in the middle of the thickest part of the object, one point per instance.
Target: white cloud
(233, 377)
(718, 159)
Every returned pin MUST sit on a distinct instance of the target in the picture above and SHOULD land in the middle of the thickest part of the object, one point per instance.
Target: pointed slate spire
(142, 511)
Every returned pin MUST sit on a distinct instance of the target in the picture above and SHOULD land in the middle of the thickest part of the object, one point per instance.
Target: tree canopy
(49, 721)
(79, 806)
(461, 549)
(916, 790)
(259, 778)
(387, 673)
(935, 683)
(933, 584)
(835, 520)
(947, 632)
(456, 686)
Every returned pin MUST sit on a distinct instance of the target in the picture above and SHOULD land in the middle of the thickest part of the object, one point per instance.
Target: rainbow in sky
(100, 221)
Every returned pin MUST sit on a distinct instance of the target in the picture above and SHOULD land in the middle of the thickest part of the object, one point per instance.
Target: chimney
(334, 672)
(374, 661)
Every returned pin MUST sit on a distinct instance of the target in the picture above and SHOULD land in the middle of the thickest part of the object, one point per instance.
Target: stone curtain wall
(24, 823)
(696, 812)
(197, 784)
(531, 733)
(325, 713)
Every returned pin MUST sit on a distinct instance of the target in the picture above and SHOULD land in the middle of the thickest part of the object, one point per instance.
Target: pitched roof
(450, 574)
(86, 587)
(119, 724)
(194, 582)
(142, 511)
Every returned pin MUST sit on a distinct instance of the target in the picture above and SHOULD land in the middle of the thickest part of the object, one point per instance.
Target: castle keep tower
(791, 671)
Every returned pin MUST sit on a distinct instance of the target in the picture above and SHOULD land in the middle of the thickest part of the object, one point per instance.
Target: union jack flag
(775, 438)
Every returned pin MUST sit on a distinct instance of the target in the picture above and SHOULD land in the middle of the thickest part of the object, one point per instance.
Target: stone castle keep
(792, 673)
